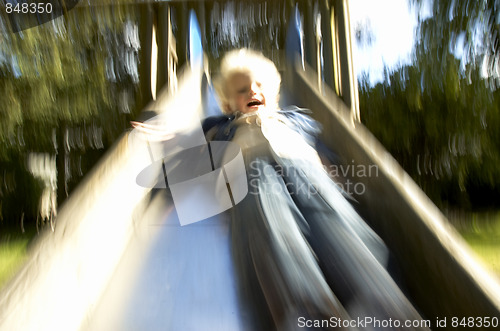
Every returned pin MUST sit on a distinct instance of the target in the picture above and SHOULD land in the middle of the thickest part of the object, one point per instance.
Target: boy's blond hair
(249, 62)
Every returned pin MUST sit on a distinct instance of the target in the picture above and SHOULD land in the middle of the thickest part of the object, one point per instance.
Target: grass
(487, 248)
(13, 253)
(480, 230)
(482, 233)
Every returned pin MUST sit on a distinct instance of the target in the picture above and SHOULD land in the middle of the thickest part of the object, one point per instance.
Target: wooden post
(145, 35)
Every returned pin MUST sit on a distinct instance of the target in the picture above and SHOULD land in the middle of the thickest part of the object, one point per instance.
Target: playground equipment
(120, 260)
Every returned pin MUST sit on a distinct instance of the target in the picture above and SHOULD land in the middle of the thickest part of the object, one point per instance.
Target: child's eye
(243, 90)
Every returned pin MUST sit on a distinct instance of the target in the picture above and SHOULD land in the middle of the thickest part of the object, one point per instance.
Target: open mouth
(254, 103)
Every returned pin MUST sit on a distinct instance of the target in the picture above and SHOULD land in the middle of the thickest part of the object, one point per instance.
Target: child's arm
(218, 128)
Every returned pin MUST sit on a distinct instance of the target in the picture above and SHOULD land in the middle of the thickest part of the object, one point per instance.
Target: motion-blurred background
(428, 90)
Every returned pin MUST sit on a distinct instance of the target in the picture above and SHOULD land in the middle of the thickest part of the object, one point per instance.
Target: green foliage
(66, 86)
(440, 116)
(473, 25)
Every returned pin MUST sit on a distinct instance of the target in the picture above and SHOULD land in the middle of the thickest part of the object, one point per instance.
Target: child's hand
(153, 132)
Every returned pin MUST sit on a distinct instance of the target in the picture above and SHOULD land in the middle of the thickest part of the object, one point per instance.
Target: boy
(301, 251)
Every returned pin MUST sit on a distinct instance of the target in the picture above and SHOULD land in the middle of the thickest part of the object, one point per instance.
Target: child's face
(246, 93)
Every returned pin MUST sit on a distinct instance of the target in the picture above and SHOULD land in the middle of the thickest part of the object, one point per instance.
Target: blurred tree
(469, 26)
(363, 34)
(440, 115)
(67, 87)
